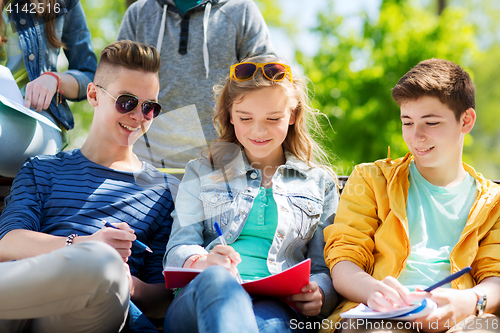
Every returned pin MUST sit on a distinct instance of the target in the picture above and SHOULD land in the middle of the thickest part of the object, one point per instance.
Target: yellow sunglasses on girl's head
(273, 71)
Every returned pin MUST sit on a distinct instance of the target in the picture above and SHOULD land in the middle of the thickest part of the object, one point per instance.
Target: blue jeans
(215, 302)
(137, 322)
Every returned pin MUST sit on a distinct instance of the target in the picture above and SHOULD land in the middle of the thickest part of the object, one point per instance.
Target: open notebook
(11, 97)
(286, 283)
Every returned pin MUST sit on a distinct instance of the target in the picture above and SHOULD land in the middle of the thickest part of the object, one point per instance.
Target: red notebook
(286, 283)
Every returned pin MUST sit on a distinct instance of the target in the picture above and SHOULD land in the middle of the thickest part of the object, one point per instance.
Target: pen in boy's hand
(449, 278)
(139, 243)
(223, 242)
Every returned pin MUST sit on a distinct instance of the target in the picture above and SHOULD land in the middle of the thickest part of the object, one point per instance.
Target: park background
(354, 52)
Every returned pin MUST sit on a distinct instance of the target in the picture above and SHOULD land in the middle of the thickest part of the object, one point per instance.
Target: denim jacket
(306, 199)
(39, 56)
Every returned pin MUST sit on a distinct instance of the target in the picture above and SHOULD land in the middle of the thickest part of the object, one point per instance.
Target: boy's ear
(468, 120)
(92, 94)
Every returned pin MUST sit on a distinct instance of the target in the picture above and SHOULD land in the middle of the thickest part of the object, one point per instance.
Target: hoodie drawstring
(206, 16)
(162, 29)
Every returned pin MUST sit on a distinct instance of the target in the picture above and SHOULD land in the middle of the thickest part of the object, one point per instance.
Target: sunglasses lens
(126, 103)
(275, 71)
(151, 110)
(245, 71)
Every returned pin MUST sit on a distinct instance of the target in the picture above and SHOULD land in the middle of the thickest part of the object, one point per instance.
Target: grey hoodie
(197, 50)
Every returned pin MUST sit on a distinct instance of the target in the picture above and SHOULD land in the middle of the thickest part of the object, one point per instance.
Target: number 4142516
(33, 8)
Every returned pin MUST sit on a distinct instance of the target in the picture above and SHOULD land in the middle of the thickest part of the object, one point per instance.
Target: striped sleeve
(23, 206)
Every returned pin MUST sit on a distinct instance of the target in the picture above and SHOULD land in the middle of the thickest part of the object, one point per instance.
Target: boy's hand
(389, 294)
(453, 307)
(310, 301)
(121, 239)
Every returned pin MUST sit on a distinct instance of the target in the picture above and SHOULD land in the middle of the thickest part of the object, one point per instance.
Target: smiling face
(119, 129)
(434, 136)
(261, 120)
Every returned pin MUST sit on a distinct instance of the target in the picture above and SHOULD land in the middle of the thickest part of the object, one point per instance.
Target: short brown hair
(128, 54)
(440, 78)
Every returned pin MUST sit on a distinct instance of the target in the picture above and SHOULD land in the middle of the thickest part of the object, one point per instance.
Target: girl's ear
(468, 120)
(292, 116)
(231, 117)
(92, 94)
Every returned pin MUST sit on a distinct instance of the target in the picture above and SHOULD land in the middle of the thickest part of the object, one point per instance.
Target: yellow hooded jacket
(371, 228)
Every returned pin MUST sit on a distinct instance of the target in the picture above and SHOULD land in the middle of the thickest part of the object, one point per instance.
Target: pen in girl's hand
(449, 278)
(139, 243)
(223, 242)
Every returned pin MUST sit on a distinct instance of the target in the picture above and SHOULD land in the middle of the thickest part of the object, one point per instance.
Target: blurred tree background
(353, 70)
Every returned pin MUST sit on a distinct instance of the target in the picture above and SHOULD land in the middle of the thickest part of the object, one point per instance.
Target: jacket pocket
(307, 213)
(217, 206)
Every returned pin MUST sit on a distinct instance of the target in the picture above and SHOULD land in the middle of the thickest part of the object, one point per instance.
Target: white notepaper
(11, 96)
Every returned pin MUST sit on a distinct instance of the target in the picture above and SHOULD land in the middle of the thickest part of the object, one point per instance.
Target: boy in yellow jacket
(404, 224)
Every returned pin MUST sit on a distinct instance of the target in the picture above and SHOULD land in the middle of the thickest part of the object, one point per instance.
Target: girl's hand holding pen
(225, 256)
(222, 255)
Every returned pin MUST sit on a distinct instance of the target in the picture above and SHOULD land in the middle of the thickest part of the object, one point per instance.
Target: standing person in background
(198, 40)
(32, 34)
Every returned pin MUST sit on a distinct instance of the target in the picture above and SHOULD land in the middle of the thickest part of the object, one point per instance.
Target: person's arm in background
(82, 64)
(253, 33)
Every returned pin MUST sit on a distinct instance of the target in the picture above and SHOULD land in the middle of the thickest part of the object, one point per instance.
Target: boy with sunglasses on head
(62, 270)
(404, 224)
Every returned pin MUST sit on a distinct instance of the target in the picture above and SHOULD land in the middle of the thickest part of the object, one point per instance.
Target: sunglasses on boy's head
(273, 71)
(126, 103)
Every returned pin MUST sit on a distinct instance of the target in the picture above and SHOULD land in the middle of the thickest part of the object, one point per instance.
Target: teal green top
(436, 218)
(257, 235)
(185, 5)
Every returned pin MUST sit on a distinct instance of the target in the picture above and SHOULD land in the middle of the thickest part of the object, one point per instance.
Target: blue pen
(449, 278)
(143, 246)
(223, 242)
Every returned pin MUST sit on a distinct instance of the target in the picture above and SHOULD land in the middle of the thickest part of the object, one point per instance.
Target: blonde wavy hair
(298, 141)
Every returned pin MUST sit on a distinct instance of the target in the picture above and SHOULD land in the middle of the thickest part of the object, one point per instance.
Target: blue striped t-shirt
(67, 193)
